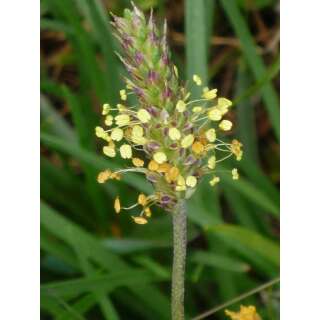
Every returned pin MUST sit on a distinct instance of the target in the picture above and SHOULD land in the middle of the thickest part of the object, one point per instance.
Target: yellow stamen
(174, 134)
(153, 166)
(117, 205)
(198, 147)
(235, 174)
(187, 141)
(126, 151)
(181, 106)
(117, 134)
(197, 80)
(211, 135)
(142, 199)
(137, 162)
(212, 162)
(160, 157)
(122, 120)
(225, 125)
(191, 181)
(209, 94)
(103, 176)
(109, 151)
(143, 115)
(140, 220)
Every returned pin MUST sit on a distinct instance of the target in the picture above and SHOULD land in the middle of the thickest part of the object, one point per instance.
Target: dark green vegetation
(99, 265)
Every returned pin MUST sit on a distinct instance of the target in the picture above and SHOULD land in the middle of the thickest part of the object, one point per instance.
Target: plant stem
(179, 219)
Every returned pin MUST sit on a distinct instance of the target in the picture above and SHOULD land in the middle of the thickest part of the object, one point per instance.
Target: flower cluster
(170, 138)
(245, 313)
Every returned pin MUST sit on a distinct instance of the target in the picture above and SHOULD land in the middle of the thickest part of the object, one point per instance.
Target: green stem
(179, 219)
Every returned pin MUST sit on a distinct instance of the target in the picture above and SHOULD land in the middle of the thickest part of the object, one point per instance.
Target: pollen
(117, 134)
(191, 181)
(117, 205)
(181, 106)
(174, 134)
(225, 125)
(235, 174)
(109, 151)
(209, 94)
(187, 141)
(143, 115)
(137, 162)
(211, 135)
(122, 120)
(140, 220)
(126, 151)
(197, 80)
(160, 157)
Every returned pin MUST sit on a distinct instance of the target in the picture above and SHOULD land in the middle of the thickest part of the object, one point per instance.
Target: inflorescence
(170, 138)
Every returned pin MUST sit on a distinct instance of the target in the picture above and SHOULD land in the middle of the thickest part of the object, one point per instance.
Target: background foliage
(99, 265)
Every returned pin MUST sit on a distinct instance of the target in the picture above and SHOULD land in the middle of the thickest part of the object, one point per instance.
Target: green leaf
(254, 61)
(219, 261)
(251, 240)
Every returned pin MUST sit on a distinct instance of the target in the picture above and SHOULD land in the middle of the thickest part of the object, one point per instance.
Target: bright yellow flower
(174, 134)
(187, 141)
(160, 157)
(126, 151)
(143, 115)
(225, 125)
(245, 313)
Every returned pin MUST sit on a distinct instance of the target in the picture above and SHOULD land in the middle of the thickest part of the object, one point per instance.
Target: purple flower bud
(166, 131)
(173, 146)
(138, 57)
(182, 152)
(167, 93)
(165, 59)
(165, 199)
(152, 76)
(190, 160)
(138, 91)
(152, 146)
(152, 177)
(154, 111)
(187, 126)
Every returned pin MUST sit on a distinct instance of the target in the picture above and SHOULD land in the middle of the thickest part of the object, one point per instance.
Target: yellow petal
(126, 151)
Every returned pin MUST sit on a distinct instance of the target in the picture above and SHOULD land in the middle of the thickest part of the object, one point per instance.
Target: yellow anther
(164, 167)
(236, 149)
(117, 134)
(109, 151)
(214, 181)
(143, 115)
(126, 151)
(198, 147)
(117, 205)
(191, 181)
(209, 94)
(147, 212)
(137, 131)
(214, 114)
(223, 105)
(142, 199)
(176, 72)
(123, 95)
(140, 220)
(103, 176)
(109, 120)
(197, 80)
(153, 166)
(211, 135)
(245, 313)
(225, 125)
(174, 134)
(137, 162)
(121, 107)
(105, 109)
(212, 162)
(181, 106)
(122, 120)
(187, 141)
(235, 174)
(172, 174)
(160, 157)
(197, 109)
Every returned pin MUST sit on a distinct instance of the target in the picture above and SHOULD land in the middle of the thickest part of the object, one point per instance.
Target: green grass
(99, 265)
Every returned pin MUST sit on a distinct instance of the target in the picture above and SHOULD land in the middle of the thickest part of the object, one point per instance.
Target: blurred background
(99, 265)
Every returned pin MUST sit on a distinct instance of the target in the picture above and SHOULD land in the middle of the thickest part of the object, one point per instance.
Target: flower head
(245, 313)
(170, 138)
